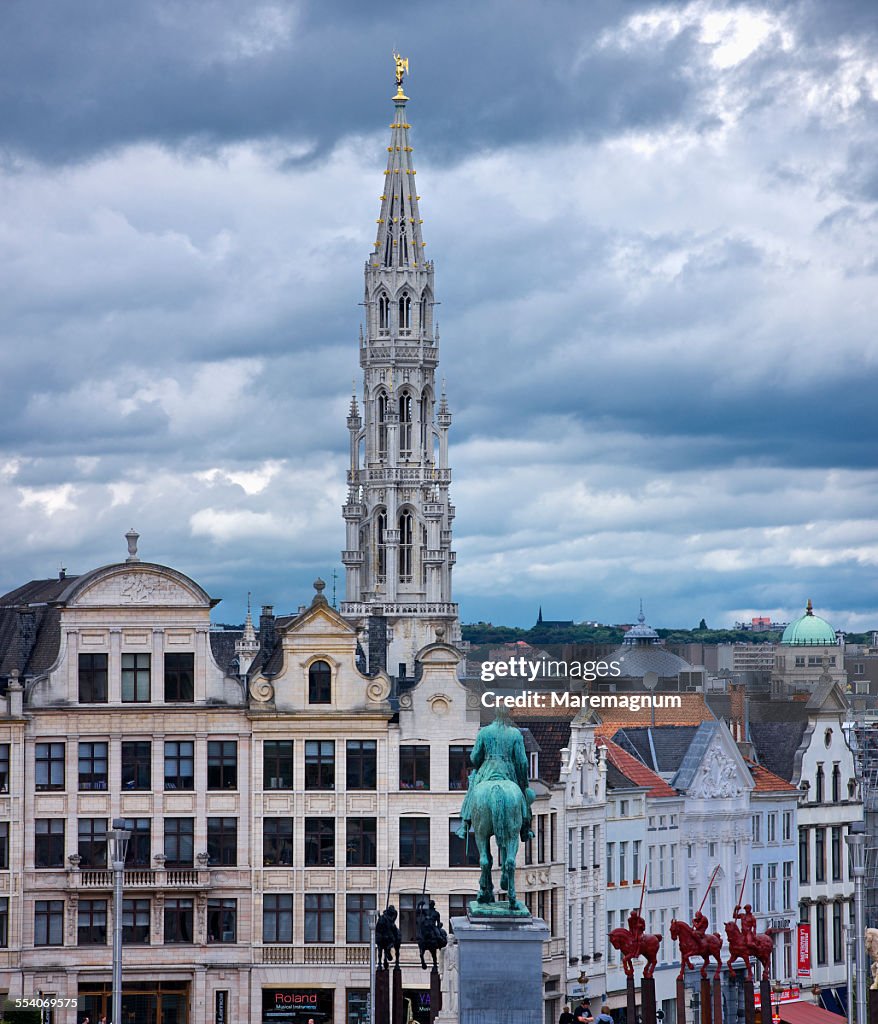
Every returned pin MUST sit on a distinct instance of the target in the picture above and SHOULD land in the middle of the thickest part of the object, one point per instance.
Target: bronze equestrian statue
(497, 803)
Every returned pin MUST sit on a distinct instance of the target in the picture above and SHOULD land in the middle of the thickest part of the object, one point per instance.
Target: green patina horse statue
(497, 804)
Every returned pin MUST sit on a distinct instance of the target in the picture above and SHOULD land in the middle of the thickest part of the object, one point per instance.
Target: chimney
(267, 631)
(736, 710)
(15, 695)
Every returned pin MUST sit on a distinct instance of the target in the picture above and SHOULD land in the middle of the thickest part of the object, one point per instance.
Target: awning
(807, 1013)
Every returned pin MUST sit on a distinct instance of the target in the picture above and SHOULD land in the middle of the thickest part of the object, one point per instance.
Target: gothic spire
(399, 242)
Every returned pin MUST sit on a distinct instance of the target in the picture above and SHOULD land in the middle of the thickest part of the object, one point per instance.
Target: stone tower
(398, 556)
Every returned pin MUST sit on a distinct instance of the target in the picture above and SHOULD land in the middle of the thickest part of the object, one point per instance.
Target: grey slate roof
(30, 633)
(776, 743)
(661, 749)
(222, 646)
(694, 755)
(618, 780)
(636, 660)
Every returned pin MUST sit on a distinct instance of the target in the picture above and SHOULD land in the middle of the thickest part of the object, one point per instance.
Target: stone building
(398, 556)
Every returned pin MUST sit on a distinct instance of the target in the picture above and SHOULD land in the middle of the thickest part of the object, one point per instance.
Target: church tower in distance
(398, 556)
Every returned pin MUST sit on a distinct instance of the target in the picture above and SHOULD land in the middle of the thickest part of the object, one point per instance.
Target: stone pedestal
(707, 1003)
(647, 1001)
(500, 970)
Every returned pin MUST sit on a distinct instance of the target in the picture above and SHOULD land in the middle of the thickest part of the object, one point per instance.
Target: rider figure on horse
(498, 754)
(699, 924)
(747, 921)
(636, 925)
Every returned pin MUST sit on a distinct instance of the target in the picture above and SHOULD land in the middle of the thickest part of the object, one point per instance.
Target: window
(541, 838)
(820, 937)
(662, 855)
(277, 764)
(91, 927)
(405, 452)
(463, 853)
(623, 863)
(381, 519)
(383, 313)
(772, 888)
(414, 842)
(771, 831)
(135, 678)
(357, 1006)
(611, 853)
(711, 850)
(804, 849)
(49, 923)
(835, 856)
(406, 526)
(179, 842)
(414, 767)
(92, 848)
(361, 764)
(222, 921)
(222, 841)
(820, 855)
(4, 845)
(757, 828)
(179, 764)
(358, 907)
(818, 784)
(381, 530)
(49, 843)
(139, 853)
(595, 846)
(787, 820)
(361, 842)
(92, 766)
(222, 764)
(4, 767)
(277, 842)
(623, 808)
(4, 922)
(836, 783)
(787, 885)
(757, 888)
(408, 919)
(319, 764)
(136, 764)
(92, 679)
(571, 846)
(836, 932)
(405, 311)
(49, 764)
(583, 849)
(319, 683)
(459, 767)
(319, 842)
(178, 920)
(179, 678)
(135, 922)
(277, 918)
(320, 917)
(635, 867)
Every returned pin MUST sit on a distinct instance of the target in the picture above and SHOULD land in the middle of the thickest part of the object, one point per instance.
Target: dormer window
(319, 683)
(534, 765)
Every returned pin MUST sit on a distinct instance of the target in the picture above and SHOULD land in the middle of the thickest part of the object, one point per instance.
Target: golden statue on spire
(402, 68)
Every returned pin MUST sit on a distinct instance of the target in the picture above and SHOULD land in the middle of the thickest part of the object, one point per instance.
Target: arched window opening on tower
(406, 531)
(382, 425)
(388, 241)
(319, 683)
(424, 413)
(383, 314)
(423, 314)
(405, 313)
(380, 547)
(405, 425)
(423, 556)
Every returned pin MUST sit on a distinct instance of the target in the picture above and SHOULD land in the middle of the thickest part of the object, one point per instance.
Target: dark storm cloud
(654, 228)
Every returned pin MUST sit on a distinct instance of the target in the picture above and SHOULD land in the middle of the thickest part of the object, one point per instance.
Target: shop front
(297, 1005)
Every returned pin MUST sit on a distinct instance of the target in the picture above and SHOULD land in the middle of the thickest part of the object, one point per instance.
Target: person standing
(566, 1016)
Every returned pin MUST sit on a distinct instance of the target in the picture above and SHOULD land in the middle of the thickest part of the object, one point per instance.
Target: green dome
(809, 631)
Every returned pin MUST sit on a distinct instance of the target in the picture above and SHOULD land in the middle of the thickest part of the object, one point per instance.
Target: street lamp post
(850, 943)
(856, 840)
(373, 921)
(117, 848)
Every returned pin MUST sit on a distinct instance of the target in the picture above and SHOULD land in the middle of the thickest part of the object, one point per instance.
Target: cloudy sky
(654, 227)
